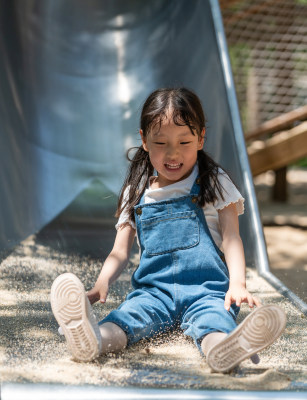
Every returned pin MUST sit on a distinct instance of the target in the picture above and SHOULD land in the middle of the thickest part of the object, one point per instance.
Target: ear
(143, 140)
(201, 139)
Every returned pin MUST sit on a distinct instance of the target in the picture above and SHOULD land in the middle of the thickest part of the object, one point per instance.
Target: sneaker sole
(257, 331)
(68, 303)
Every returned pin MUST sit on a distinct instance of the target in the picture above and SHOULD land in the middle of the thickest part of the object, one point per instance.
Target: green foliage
(301, 163)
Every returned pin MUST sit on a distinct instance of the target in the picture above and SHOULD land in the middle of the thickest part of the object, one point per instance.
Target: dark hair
(184, 107)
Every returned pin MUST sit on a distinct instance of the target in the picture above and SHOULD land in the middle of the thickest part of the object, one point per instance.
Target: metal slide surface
(74, 76)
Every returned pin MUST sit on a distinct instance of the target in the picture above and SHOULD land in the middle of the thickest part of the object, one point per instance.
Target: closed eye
(159, 143)
(185, 142)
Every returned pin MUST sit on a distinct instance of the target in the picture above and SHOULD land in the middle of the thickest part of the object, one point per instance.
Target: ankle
(113, 338)
(211, 340)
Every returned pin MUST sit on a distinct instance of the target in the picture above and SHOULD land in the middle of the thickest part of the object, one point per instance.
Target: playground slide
(74, 74)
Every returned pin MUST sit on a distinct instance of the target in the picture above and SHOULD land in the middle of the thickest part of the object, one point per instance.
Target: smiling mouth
(173, 166)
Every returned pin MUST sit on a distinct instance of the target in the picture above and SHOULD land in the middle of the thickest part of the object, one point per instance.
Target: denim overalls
(182, 278)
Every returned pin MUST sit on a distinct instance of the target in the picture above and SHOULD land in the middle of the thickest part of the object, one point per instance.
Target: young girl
(184, 210)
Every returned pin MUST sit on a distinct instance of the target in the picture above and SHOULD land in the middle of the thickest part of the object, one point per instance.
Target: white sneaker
(75, 316)
(258, 330)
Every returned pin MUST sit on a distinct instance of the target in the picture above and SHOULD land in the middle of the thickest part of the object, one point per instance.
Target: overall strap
(142, 199)
(195, 188)
(194, 191)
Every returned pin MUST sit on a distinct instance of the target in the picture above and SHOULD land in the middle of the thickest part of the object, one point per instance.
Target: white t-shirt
(182, 188)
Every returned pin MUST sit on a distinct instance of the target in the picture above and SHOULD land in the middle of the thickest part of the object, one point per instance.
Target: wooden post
(280, 188)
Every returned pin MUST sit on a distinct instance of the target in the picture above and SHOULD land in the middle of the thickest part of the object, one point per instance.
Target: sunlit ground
(32, 351)
(285, 229)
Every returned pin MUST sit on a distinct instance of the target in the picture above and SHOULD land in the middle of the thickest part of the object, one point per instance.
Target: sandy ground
(285, 229)
(32, 351)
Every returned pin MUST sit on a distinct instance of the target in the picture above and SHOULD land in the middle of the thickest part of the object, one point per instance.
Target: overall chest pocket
(169, 233)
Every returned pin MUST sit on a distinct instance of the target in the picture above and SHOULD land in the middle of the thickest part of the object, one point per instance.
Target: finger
(92, 297)
(103, 296)
(250, 301)
(239, 301)
(227, 302)
(257, 301)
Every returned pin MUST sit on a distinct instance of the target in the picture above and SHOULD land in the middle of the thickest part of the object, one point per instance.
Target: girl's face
(172, 151)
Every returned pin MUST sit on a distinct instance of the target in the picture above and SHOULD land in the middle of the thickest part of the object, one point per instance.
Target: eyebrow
(188, 132)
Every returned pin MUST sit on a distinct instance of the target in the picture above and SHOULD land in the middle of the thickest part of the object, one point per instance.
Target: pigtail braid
(208, 175)
(139, 171)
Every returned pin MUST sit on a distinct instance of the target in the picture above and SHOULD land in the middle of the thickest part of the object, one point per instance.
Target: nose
(172, 151)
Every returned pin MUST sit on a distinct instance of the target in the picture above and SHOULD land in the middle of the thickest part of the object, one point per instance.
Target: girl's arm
(113, 266)
(234, 255)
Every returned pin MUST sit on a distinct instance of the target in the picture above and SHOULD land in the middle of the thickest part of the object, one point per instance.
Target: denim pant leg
(142, 315)
(207, 315)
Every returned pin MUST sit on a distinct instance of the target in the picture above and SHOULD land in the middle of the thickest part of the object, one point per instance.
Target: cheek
(155, 156)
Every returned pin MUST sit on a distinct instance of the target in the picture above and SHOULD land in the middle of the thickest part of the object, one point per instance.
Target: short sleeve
(124, 216)
(230, 193)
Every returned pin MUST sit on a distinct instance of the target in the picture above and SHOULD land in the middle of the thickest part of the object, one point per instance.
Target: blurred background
(267, 42)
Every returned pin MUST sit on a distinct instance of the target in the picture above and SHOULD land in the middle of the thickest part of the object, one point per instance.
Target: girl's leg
(85, 338)
(113, 338)
(214, 338)
(256, 332)
(211, 340)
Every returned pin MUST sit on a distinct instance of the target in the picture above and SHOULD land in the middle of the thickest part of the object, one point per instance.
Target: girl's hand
(238, 294)
(113, 265)
(98, 294)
